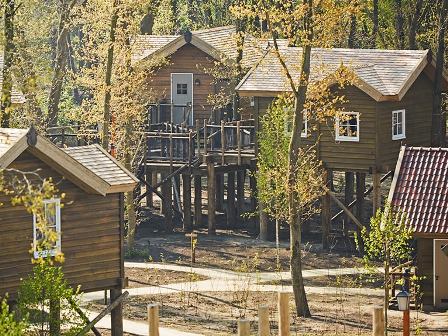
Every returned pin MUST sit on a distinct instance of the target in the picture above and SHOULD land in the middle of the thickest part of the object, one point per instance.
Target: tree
(387, 241)
(9, 326)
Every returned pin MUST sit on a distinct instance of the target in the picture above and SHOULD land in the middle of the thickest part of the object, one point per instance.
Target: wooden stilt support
(326, 215)
(186, 194)
(241, 174)
(219, 192)
(153, 182)
(197, 201)
(349, 190)
(211, 195)
(116, 317)
(360, 188)
(149, 195)
(167, 210)
(376, 197)
(231, 209)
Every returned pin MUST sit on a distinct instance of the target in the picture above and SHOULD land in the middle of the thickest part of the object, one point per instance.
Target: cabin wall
(425, 269)
(418, 105)
(344, 155)
(189, 59)
(91, 235)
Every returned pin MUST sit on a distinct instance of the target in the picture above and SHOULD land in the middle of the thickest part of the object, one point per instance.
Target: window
(52, 217)
(347, 126)
(398, 125)
(288, 125)
(182, 89)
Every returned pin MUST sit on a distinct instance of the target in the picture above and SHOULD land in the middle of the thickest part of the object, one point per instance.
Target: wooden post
(153, 183)
(360, 188)
(378, 321)
(238, 140)
(197, 200)
(231, 210)
(326, 214)
(211, 195)
(153, 319)
(283, 314)
(223, 143)
(243, 328)
(198, 137)
(349, 189)
(240, 177)
(205, 138)
(376, 197)
(116, 315)
(219, 192)
(186, 194)
(149, 194)
(167, 201)
(263, 321)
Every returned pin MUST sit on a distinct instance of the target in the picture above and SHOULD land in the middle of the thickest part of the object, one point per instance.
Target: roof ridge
(206, 30)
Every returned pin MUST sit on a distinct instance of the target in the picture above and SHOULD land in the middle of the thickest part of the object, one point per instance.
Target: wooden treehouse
(389, 104)
(177, 157)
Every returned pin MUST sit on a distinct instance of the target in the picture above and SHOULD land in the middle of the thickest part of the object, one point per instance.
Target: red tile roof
(420, 188)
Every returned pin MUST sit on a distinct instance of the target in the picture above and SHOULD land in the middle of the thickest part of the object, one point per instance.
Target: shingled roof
(89, 167)
(420, 189)
(219, 43)
(382, 74)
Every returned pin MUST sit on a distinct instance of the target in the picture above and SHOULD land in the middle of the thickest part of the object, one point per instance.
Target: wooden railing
(165, 112)
(171, 147)
(71, 136)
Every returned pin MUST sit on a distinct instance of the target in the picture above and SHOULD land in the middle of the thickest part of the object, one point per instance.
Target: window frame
(57, 248)
(337, 127)
(303, 133)
(183, 88)
(402, 135)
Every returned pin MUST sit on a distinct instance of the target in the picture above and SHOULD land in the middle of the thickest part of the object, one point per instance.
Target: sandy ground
(138, 277)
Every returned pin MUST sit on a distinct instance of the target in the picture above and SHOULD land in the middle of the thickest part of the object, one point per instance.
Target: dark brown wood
(84, 317)
(240, 180)
(167, 203)
(326, 215)
(231, 209)
(149, 193)
(197, 201)
(186, 196)
(376, 193)
(219, 192)
(349, 190)
(211, 195)
(359, 210)
(116, 314)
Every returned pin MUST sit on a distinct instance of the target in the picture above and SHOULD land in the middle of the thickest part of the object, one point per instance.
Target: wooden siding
(425, 269)
(189, 59)
(418, 105)
(90, 235)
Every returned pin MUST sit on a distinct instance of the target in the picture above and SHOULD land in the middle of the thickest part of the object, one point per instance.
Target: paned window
(398, 125)
(47, 235)
(347, 126)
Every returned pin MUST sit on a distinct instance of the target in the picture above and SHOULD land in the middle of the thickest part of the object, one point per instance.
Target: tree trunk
(352, 34)
(375, 23)
(60, 64)
(8, 54)
(414, 24)
(108, 78)
(399, 24)
(438, 117)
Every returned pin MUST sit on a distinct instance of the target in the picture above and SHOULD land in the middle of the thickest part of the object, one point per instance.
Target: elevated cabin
(185, 75)
(90, 221)
(419, 189)
(389, 105)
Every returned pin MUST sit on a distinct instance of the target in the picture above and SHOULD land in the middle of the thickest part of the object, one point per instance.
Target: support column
(376, 195)
(186, 194)
(360, 189)
(240, 177)
(349, 190)
(197, 201)
(116, 315)
(211, 195)
(167, 201)
(219, 192)
(231, 210)
(326, 214)
(149, 194)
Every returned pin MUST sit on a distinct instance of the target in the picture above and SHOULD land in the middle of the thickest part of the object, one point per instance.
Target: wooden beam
(326, 213)
(231, 209)
(167, 203)
(83, 316)
(197, 201)
(186, 195)
(349, 190)
(240, 178)
(219, 192)
(211, 194)
(376, 199)
(117, 301)
(339, 203)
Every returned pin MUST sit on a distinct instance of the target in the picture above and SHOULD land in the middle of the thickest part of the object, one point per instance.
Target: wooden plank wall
(418, 105)
(425, 268)
(90, 235)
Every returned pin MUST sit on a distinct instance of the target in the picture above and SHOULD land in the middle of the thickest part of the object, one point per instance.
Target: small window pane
(182, 89)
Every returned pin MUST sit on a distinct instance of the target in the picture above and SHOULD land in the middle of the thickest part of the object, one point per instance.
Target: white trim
(403, 128)
(343, 137)
(305, 123)
(57, 249)
(192, 91)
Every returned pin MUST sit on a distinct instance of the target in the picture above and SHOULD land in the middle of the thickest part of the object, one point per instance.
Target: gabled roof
(385, 75)
(89, 167)
(420, 189)
(219, 43)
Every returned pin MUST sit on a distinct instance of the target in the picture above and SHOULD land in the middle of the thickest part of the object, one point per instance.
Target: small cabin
(390, 103)
(186, 78)
(89, 220)
(419, 189)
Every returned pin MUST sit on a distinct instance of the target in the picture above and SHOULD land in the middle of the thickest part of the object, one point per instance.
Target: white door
(182, 97)
(441, 273)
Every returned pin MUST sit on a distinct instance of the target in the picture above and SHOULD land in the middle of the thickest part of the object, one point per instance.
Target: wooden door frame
(192, 91)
